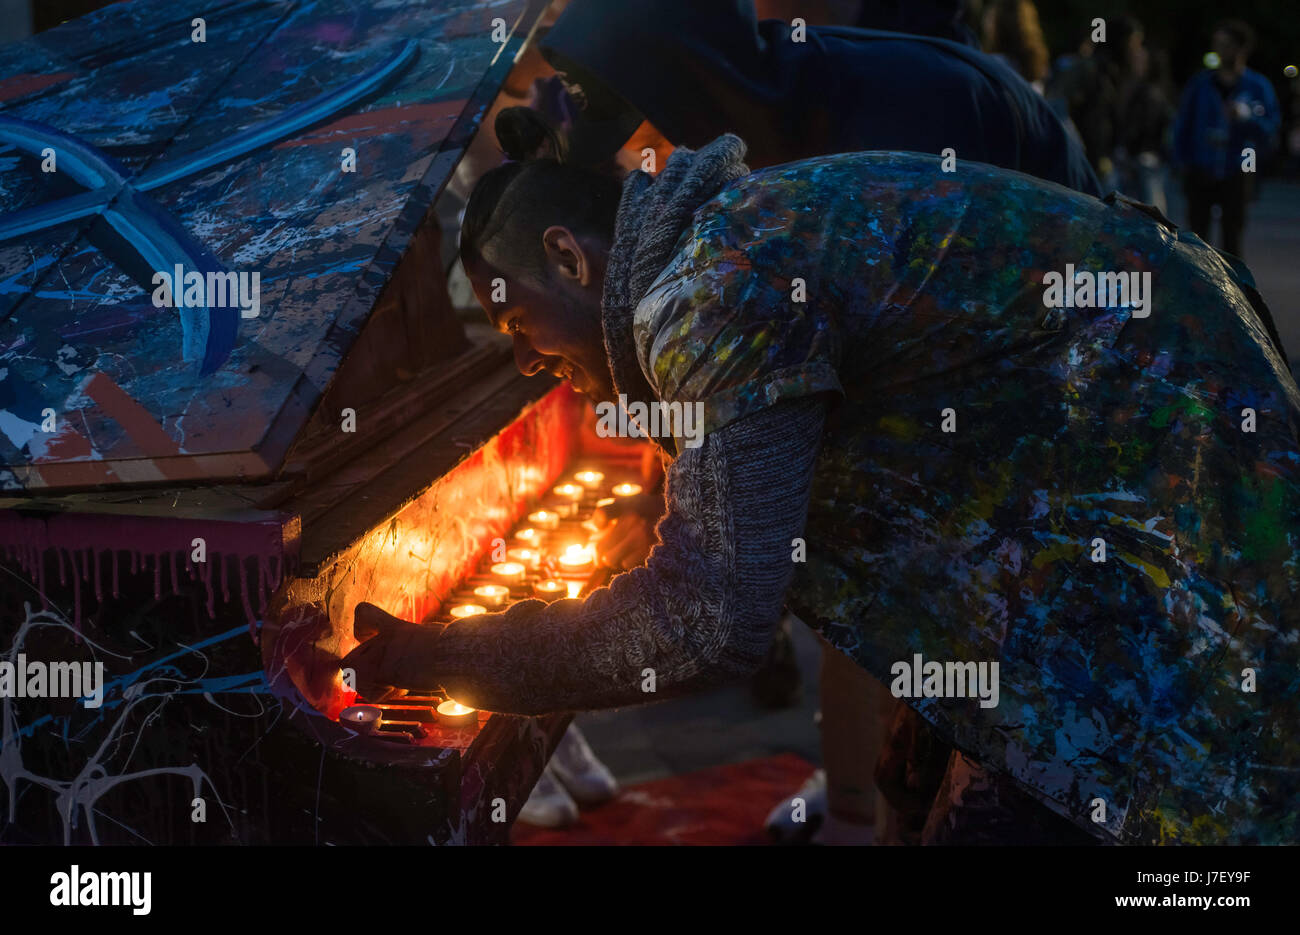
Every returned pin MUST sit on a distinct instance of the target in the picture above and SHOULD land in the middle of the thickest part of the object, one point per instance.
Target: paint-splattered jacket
(1107, 505)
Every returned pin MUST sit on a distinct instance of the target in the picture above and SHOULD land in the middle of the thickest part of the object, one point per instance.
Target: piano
(195, 492)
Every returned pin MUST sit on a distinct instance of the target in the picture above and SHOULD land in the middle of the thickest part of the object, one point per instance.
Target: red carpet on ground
(724, 805)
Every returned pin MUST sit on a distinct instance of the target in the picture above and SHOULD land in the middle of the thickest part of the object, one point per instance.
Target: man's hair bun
(524, 135)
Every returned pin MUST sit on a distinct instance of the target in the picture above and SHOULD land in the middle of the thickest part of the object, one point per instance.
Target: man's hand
(394, 653)
(629, 532)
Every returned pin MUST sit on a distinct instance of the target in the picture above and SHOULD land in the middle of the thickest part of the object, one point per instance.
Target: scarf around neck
(653, 214)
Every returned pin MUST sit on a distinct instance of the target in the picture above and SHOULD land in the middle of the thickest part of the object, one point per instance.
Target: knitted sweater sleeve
(701, 610)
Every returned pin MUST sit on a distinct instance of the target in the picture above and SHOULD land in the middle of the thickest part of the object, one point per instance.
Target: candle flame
(577, 554)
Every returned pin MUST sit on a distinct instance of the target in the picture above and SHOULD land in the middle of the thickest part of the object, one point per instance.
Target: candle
(549, 590)
(362, 718)
(575, 588)
(545, 519)
(604, 501)
(529, 537)
(461, 611)
(589, 479)
(454, 714)
(626, 490)
(577, 558)
(529, 558)
(570, 496)
(510, 573)
(492, 595)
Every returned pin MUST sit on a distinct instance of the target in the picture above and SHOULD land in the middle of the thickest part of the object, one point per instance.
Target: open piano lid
(225, 154)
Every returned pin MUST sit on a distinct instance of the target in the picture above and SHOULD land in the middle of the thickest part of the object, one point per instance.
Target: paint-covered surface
(1103, 498)
(243, 559)
(193, 709)
(220, 155)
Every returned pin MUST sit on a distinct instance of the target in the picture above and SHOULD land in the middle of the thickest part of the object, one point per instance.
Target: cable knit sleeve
(701, 610)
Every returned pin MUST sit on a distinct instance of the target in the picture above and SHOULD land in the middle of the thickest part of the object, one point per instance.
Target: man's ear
(565, 255)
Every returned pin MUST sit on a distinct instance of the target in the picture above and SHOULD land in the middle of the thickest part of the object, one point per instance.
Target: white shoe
(587, 779)
(549, 806)
(790, 823)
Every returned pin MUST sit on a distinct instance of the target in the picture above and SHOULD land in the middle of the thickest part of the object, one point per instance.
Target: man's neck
(1230, 74)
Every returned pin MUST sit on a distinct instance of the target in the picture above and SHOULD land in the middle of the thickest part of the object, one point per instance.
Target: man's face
(1226, 48)
(555, 325)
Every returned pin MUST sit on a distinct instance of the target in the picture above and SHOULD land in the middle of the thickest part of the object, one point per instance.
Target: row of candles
(524, 559)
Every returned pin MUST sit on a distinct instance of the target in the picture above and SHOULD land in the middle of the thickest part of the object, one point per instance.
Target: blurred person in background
(1144, 112)
(1012, 32)
(1089, 84)
(1224, 110)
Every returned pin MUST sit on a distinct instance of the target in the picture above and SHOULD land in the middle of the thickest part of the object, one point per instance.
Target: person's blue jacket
(695, 70)
(1208, 137)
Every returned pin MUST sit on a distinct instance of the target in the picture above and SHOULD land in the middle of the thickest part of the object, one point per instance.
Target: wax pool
(591, 480)
(508, 573)
(455, 714)
(492, 595)
(545, 519)
(549, 590)
(578, 558)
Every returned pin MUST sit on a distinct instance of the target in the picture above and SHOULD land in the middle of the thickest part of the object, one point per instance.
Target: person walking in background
(1144, 112)
(1089, 85)
(1224, 111)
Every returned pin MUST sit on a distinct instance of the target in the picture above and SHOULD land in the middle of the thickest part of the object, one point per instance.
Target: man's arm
(701, 610)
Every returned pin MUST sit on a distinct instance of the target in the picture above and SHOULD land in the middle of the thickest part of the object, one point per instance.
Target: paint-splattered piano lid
(222, 155)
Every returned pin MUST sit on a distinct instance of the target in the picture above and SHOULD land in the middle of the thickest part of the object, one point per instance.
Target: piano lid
(137, 140)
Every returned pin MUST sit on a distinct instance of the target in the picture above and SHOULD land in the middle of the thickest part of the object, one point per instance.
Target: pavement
(717, 728)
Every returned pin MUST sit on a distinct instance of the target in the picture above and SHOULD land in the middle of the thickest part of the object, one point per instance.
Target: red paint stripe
(22, 85)
(126, 412)
(380, 122)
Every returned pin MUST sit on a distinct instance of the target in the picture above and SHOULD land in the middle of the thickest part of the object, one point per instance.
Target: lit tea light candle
(528, 536)
(575, 588)
(455, 714)
(509, 573)
(578, 558)
(545, 519)
(626, 490)
(529, 558)
(589, 479)
(461, 611)
(492, 595)
(570, 496)
(362, 718)
(549, 590)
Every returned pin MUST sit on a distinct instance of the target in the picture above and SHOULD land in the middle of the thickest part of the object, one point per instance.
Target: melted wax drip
(86, 567)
